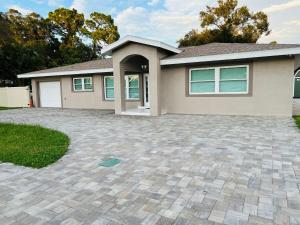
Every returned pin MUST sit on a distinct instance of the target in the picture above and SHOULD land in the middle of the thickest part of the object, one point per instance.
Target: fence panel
(14, 96)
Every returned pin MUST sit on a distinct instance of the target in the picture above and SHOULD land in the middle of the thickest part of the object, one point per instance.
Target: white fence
(14, 96)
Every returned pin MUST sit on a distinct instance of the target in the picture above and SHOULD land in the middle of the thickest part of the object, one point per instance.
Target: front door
(146, 91)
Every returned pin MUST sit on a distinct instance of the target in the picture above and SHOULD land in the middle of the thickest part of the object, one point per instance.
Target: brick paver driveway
(174, 169)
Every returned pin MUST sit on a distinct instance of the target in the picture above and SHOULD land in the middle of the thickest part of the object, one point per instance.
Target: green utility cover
(297, 87)
(110, 162)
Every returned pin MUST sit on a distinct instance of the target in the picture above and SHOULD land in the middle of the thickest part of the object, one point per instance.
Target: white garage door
(50, 95)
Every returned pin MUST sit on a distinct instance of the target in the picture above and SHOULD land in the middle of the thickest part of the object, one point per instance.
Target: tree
(15, 25)
(5, 32)
(74, 54)
(26, 47)
(67, 24)
(227, 23)
(31, 42)
(102, 30)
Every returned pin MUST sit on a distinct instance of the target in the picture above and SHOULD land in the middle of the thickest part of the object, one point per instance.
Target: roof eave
(65, 73)
(231, 56)
(108, 49)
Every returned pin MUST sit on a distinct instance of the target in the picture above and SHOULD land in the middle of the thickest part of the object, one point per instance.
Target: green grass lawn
(297, 119)
(6, 108)
(31, 145)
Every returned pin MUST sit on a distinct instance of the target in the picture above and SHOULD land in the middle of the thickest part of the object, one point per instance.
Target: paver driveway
(175, 169)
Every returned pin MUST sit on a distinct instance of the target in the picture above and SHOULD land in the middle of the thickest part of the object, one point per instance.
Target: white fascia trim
(297, 72)
(232, 56)
(108, 49)
(65, 73)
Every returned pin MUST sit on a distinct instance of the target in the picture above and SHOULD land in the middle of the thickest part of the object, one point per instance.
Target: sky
(169, 20)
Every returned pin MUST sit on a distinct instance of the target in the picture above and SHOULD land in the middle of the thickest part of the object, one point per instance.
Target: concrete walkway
(296, 106)
(175, 169)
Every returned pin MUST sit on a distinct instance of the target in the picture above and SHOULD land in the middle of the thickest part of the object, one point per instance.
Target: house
(148, 77)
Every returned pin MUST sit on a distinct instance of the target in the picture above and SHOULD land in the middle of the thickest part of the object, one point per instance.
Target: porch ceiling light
(144, 68)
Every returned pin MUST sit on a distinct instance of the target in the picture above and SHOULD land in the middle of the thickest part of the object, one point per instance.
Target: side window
(233, 79)
(109, 91)
(83, 84)
(202, 81)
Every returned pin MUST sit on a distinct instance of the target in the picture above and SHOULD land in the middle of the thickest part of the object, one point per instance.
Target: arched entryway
(136, 84)
(137, 62)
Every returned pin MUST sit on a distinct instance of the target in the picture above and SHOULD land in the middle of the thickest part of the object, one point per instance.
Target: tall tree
(228, 23)
(5, 32)
(27, 47)
(67, 25)
(15, 19)
(102, 30)
(31, 42)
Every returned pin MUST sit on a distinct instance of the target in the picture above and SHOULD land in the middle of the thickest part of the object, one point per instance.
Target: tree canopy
(31, 42)
(228, 23)
(101, 29)
(67, 24)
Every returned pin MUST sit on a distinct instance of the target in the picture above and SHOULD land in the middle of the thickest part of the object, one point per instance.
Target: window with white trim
(109, 90)
(132, 89)
(83, 84)
(219, 80)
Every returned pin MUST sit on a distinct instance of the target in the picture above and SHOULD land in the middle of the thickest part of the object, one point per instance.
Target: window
(109, 91)
(203, 81)
(219, 80)
(233, 79)
(82, 84)
(132, 87)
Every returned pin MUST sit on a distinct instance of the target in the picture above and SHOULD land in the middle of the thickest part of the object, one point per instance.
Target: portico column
(141, 88)
(119, 85)
(154, 86)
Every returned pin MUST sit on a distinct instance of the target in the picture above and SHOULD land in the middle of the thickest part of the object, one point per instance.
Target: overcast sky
(168, 20)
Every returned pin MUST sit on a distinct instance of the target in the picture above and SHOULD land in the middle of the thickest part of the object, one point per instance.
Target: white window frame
(217, 81)
(82, 84)
(104, 84)
(127, 86)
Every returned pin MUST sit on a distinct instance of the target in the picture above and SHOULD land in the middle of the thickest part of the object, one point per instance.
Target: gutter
(65, 73)
(231, 56)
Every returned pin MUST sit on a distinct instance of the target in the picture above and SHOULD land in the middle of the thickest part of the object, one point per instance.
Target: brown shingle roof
(227, 48)
(90, 65)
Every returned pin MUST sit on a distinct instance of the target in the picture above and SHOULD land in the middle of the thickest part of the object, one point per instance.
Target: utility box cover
(110, 162)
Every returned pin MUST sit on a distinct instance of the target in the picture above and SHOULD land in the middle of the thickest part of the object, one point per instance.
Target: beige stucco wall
(297, 61)
(14, 96)
(80, 100)
(272, 92)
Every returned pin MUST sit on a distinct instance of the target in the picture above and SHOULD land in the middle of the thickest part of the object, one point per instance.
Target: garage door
(50, 95)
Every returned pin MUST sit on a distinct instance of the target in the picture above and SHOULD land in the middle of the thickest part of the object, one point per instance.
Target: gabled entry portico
(135, 75)
(138, 59)
(133, 55)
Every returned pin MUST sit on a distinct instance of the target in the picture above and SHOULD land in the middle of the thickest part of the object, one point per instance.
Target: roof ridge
(236, 43)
